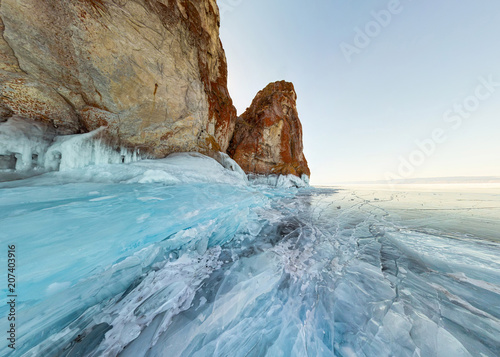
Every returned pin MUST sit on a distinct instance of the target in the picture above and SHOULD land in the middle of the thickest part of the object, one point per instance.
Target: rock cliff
(153, 71)
(268, 136)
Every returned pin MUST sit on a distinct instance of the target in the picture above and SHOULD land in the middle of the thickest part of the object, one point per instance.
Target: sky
(386, 89)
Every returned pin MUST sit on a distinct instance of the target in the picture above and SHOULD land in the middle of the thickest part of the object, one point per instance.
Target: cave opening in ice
(28, 148)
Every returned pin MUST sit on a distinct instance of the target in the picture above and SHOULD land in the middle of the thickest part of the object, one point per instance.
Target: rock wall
(268, 136)
(153, 71)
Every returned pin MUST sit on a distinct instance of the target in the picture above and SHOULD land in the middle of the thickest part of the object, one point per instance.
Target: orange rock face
(268, 136)
(153, 71)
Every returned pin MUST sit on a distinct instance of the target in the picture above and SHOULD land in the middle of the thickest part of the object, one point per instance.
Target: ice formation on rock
(32, 147)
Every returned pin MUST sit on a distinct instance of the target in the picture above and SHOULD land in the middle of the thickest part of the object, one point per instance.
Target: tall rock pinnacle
(268, 136)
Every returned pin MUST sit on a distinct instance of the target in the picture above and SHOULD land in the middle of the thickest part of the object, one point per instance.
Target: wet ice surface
(209, 269)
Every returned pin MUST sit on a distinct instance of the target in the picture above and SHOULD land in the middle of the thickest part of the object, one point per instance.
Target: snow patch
(231, 165)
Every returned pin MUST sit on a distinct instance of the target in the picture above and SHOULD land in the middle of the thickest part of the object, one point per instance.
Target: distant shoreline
(462, 180)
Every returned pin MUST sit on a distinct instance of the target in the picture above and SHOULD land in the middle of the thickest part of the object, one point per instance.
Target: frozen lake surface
(140, 267)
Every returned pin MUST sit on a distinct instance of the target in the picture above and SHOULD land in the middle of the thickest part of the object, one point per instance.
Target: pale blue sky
(361, 118)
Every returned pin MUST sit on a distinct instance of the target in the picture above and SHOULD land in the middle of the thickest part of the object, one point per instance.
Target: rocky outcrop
(152, 71)
(268, 136)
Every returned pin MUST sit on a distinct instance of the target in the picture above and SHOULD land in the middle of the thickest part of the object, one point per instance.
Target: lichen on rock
(153, 71)
(268, 135)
